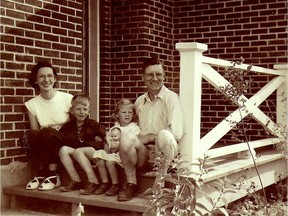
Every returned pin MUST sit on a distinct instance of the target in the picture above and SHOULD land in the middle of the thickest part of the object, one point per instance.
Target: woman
(47, 113)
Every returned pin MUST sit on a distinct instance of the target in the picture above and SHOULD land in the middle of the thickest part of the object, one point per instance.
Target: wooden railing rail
(193, 67)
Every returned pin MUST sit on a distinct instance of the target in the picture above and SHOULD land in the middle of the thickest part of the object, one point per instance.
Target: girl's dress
(130, 130)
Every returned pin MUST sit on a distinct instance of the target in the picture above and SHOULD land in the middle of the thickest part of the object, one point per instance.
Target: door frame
(91, 54)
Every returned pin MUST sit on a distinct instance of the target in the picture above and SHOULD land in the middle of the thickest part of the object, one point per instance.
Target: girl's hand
(106, 148)
(95, 160)
(114, 149)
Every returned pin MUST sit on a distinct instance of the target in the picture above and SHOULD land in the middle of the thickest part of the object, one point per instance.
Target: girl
(107, 159)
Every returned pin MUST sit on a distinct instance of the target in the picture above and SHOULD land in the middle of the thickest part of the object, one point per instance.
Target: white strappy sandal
(48, 183)
(35, 183)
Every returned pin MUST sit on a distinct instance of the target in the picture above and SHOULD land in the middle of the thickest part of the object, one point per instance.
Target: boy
(82, 134)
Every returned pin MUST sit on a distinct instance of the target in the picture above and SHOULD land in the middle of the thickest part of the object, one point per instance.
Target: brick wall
(255, 30)
(129, 31)
(34, 30)
(134, 30)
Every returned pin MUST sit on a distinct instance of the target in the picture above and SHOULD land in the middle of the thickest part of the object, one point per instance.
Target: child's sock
(131, 176)
(92, 178)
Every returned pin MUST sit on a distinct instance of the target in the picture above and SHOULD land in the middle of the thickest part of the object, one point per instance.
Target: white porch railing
(193, 67)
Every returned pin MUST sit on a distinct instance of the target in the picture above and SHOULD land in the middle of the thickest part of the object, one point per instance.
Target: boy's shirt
(85, 135)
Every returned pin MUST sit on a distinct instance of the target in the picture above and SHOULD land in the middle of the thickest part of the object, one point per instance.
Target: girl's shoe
(35, 183)
(113, 190)
(50, 183)
(102, 189)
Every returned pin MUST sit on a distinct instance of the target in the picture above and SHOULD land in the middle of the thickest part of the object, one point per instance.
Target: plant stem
(255, 165)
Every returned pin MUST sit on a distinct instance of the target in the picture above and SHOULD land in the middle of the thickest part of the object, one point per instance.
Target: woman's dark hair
(34, 72)
(151, 61)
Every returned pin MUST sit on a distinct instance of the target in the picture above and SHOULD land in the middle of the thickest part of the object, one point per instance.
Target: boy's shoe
(73, 185)
(113, 190)
(128, 193)
(102, 189)
(89, 189)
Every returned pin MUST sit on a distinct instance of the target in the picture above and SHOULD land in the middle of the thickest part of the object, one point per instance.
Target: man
(161, 122)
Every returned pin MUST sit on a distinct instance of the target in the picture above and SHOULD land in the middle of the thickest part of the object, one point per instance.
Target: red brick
(5, 161)
(24, 41)
(7, 91)
(43, 28)
(14, 152)
(15, 66)
(6, 56)
(7, 21)
(35, 18)
(23, 58)
(6, 108)
(52, 7)
(59, 16)
(15, 14)
(14, 31)
(52, 22)
(43, 12)
(7, 4)
(24, 8)
(24, 91)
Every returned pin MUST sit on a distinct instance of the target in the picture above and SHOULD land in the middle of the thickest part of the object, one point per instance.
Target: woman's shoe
(50, 183)
(35, 183)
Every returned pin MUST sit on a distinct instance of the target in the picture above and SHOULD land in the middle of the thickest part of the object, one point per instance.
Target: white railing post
(282, 101)
(190, 96)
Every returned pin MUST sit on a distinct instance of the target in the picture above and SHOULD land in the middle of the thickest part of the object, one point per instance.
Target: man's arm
(176, 120)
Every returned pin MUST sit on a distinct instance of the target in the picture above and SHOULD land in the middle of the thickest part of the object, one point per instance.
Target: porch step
(107, 203)
(137, 204)
(271, 166)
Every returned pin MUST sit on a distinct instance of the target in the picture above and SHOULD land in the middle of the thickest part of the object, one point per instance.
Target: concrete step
(56, 202)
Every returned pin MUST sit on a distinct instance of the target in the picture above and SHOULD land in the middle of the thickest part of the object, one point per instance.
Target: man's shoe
(71, 186)
(113, 190)
(128, 193)
(89, 189)
(102, 189)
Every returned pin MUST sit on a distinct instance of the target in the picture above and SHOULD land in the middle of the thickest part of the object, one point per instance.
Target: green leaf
(147, 192)
(225, 201)
(209, 199)
(231, 190)
(203, 207)
(224, 211)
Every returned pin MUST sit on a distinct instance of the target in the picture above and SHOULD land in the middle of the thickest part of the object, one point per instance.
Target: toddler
(125, 125)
